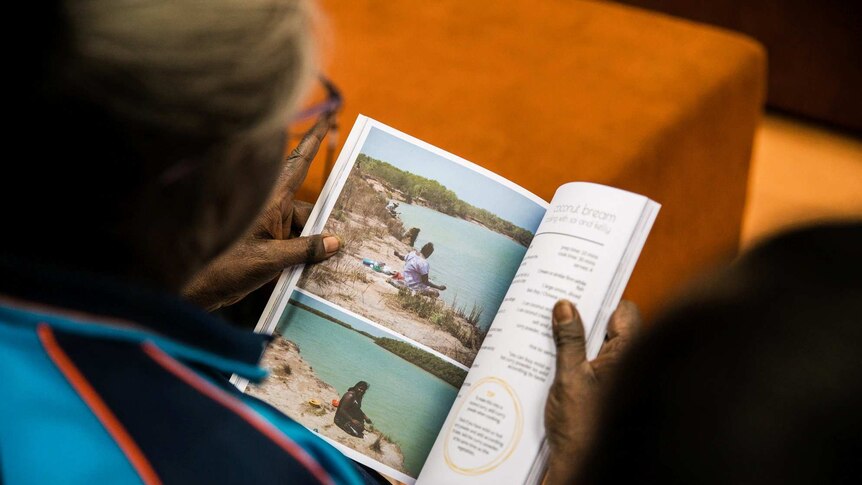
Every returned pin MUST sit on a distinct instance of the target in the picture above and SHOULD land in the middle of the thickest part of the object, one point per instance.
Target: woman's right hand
(570, 412)
(272, 243)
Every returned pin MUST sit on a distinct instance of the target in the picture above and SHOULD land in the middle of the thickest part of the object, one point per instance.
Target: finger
(569, 337)
(624, 325)
(302, 250)
(310, 142)
(625, 322)
(297, 163)
(301, 213)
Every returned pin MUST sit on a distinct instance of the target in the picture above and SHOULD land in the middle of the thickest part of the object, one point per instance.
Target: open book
(424, 348)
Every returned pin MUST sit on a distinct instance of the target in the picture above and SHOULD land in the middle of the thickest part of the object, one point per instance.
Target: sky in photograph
(469, 186)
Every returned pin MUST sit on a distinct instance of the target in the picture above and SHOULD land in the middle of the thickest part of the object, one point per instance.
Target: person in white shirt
(415, 272)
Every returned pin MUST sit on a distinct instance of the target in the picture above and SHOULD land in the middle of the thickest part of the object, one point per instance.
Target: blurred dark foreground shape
(754, 378)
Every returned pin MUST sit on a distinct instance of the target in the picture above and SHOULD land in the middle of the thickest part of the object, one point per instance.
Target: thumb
(302, 250)
(569, 337)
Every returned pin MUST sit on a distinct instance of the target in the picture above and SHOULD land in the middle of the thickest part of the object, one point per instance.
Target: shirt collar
(154, 311)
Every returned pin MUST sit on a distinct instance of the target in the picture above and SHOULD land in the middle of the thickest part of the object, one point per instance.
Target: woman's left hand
(271, 244)
(571, 408)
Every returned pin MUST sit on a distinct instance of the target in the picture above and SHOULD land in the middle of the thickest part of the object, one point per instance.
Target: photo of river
(397, 197)
(404, 401)
(476, 264)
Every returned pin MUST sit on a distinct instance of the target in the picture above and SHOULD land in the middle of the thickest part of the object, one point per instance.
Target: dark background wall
(814, 49)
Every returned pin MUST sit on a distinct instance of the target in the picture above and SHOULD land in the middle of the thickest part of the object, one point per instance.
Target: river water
(404, 401)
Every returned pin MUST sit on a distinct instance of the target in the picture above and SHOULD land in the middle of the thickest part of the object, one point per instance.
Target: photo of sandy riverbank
(388, 211)
(316, 358)
(291, 379)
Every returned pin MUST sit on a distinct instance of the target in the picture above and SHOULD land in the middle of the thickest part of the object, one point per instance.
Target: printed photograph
(429, 246)
(357, 384)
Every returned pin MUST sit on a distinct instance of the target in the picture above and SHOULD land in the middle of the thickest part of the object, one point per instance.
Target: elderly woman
(148, 182)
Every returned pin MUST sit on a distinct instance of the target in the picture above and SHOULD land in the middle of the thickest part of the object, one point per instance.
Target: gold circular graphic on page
(507, 451)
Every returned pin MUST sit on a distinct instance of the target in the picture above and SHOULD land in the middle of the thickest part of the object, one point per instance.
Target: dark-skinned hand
(271, 244)
(570, 412)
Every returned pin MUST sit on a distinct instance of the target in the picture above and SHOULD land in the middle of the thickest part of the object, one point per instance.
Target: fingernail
(563, 312)
(330, 244)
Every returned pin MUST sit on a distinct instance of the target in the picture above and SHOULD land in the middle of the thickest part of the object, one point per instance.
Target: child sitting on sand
(415, 272)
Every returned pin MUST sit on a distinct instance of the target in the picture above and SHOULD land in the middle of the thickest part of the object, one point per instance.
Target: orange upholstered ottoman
(549, 92)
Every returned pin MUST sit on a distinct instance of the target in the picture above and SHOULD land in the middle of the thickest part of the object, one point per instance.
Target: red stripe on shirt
(256, 421)
(101, 410)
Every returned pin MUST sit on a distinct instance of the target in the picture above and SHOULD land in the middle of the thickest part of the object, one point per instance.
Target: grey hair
(202, 68)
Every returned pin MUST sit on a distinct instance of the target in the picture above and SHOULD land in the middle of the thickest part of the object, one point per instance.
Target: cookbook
(424, 348)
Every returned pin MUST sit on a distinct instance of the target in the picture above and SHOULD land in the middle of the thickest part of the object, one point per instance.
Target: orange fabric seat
(545, 93)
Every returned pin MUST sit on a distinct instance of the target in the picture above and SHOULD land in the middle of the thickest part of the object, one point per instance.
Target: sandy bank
(292, 382)
(366, 292)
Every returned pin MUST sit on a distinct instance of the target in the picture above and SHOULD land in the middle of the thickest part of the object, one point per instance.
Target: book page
(373, 344)
(581, 252)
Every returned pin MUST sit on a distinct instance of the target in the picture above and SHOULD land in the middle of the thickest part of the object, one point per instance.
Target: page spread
(407, 324)
(445, 268)
(583, 251)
